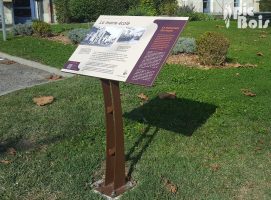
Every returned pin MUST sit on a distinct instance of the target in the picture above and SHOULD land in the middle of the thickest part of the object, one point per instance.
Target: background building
(23, 11)
(217, 6)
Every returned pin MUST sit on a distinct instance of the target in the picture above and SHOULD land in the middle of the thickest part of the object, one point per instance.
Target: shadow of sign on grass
(182, 116)
(179, 115)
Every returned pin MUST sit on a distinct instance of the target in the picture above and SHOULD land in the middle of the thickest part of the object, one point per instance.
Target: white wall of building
(42, 11)
(8, 13)
(46, 14)
(217, 6)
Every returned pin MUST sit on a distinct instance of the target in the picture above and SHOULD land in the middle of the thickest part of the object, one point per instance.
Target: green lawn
(212, 142)
(64, 28)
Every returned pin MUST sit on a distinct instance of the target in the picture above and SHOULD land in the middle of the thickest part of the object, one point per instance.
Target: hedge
(89, 10)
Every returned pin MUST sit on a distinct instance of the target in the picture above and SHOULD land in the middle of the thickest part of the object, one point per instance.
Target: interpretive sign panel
(126, 48)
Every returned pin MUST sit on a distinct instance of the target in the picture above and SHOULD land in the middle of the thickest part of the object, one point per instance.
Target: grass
(63, 28)
(212, 142)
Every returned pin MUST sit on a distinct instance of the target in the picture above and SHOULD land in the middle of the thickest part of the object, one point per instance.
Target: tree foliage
(265, 5)
(89, 10)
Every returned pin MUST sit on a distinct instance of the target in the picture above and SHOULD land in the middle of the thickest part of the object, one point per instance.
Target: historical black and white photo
(131, 34)
(102, 36)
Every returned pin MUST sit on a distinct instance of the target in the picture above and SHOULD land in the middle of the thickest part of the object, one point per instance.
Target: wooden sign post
(115, 180)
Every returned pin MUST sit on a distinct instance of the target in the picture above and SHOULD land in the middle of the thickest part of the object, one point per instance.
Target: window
(236, 3)
(206, 6)
(20, 3)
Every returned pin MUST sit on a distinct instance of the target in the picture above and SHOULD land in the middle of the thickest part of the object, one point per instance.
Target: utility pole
(3, 20)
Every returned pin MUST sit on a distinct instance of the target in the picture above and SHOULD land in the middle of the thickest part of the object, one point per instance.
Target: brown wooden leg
(110, 132)
(114, 183)
(119, 179)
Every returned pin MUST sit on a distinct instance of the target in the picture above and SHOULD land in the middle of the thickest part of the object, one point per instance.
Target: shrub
(166, 7)
(189, 11)
(90, 10)
(41, 28)
(169, 8)
(200, 17)
(141, 11)
(265, 5)
(154, 7)
(78, 35)
(184, 45)
(186, 9)
(212, 48)
(62, 11)
(23, 29)
(144, 7)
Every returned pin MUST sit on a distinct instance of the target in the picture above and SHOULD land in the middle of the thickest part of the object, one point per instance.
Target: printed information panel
(130, 49)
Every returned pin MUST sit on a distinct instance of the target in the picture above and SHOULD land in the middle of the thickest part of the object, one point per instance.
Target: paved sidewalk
(35, 65)
(15, 76)
(21, 73)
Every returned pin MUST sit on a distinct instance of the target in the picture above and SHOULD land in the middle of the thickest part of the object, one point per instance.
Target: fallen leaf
(248, 93)
(258, 148)
(44, 100)
(5, 162)
(215, 167)
(262, 36)
(238, 65)
(167, 95)
(54, 77)
(11, 151)
(170, 186)
(259, 54)
(261, 141)
(249, 65)
(7, 62)
(219, 26)
(143, 97)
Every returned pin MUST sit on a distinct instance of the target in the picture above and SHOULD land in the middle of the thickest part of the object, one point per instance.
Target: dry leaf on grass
(143, 97)
(42, 101)
(261, 141)
(262, 36)
(5, 162)
(11, 151)
(248, 93)
(170, 186)
(215, 167)
(54, 77)
(259, 54)
(238, 65)
(167, 95)
(220, 26)
(249, 65)
(258, 148)
(7, 62)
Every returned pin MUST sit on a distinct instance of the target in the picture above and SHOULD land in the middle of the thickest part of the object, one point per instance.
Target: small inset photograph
(102, 36)
(131, 35)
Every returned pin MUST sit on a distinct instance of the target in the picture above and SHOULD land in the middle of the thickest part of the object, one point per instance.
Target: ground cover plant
(212, 142)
